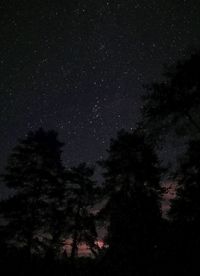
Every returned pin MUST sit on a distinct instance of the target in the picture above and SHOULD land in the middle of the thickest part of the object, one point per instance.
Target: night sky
(78, 67)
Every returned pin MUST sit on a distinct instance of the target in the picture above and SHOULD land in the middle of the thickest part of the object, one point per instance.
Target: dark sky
(79, 66)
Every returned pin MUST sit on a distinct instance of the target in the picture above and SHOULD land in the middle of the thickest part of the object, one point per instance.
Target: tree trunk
(74, 251)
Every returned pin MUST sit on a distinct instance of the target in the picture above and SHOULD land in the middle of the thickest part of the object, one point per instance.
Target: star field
(79, 66)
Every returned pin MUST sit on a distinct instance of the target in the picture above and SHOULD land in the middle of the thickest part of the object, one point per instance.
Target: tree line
(49, 203)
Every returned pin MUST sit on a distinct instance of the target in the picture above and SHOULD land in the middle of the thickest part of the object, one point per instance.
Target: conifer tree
(35, 174)
(132, 181)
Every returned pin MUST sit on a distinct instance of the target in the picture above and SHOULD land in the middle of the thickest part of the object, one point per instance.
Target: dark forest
(49, 203)
(100, 137)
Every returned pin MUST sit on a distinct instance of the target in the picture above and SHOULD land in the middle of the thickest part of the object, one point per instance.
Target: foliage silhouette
(185, 210)
(82, 197)
(36, 175)
(174, 102)
(133, 184)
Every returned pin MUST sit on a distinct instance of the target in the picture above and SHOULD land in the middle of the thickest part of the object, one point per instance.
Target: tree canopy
(132, 177)
(36, 175)
(175, 101)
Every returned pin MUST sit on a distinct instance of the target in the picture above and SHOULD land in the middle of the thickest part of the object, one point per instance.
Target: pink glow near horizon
(170, 194)
(83, 248)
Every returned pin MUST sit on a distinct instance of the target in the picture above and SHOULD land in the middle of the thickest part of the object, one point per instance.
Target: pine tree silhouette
(174, 102)
(132, 183)
(36, 176)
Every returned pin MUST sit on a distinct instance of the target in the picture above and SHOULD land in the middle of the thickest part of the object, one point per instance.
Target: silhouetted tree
(83, 193)
(185, 211)
(175, 102)
(133, 185)
(33, 213)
